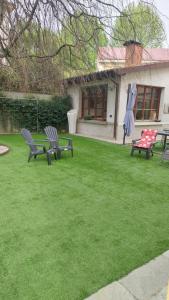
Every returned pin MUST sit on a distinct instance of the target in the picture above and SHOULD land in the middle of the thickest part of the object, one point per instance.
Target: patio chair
(34, 146)
(145, 143)
(53, 139)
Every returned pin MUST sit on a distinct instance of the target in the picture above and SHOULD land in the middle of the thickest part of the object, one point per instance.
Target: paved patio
(149, 282)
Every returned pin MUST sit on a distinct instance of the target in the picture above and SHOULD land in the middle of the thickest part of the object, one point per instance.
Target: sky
(163, 9)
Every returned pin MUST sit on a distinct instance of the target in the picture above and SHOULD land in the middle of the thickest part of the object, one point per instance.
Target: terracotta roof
(149, 54)
(115, 74)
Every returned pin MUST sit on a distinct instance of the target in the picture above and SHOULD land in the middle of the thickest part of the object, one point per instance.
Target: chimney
(134, 51)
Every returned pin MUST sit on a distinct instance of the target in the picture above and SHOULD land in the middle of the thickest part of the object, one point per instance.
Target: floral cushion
(148, 138)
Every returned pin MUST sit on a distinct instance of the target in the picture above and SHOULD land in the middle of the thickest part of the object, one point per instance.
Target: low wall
(105, 130)
(33, 96)
(95, 129)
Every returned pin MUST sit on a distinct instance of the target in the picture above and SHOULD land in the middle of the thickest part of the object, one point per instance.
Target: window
(94, 102)
(147, 103)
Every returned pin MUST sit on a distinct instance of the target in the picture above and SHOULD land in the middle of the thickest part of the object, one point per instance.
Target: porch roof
(114, 74)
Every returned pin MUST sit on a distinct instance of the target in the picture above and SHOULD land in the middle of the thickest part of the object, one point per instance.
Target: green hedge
(34, 114)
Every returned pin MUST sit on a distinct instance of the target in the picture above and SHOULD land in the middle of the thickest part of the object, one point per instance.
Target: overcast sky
(163, 7)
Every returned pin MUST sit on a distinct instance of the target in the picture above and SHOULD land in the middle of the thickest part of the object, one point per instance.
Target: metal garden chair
(165, 154)
(53, 139)
(34, 146)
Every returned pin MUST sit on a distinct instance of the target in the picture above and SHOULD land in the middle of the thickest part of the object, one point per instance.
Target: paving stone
(149, 279)
(162, 295)
(114, 291)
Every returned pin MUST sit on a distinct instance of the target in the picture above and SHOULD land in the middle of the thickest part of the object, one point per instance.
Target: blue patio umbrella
(129, 116)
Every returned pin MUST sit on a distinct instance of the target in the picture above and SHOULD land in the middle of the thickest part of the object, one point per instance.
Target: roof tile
(149, 54)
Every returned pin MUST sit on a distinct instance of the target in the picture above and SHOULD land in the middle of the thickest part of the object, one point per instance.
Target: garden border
(3, 153)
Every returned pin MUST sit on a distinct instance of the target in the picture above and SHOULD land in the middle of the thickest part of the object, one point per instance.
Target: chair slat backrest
(52, 135)
(28, 138)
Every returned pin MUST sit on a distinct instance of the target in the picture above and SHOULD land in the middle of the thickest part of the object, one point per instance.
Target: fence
(33, 114)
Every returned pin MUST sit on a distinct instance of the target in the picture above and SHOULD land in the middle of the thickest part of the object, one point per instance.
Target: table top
(163, 132)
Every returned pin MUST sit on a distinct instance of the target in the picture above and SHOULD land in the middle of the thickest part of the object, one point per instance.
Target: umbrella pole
(124, 127)
(124, 135)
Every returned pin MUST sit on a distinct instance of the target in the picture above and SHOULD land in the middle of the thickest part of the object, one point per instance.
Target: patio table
(164, 133)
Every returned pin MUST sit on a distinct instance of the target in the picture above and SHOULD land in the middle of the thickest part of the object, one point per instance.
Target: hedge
(34, 114)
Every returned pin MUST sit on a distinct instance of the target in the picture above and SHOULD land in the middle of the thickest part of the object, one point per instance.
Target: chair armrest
(70, 142)
(39, 140)
(65, 138)
(135, 141)
(35, 144)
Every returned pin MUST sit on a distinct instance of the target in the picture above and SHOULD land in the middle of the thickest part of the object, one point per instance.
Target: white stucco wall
(74, 92)
(95, 128)
(111, 95)
(109, 64)
(158, 78)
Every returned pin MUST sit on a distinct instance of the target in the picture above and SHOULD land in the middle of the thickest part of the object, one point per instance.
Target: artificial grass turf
(68, 229)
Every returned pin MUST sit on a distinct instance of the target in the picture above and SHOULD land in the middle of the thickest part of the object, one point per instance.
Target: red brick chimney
(134, 51)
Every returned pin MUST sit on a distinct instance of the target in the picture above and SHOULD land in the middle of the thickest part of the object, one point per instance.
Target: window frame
(95, 99)
(135, 109)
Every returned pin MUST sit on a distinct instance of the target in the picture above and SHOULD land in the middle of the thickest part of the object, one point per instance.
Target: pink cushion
(148, 137)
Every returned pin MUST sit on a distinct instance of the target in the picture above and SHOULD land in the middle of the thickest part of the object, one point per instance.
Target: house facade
(101, 98)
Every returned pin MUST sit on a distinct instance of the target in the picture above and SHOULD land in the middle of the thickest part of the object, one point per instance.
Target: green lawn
(68, 229)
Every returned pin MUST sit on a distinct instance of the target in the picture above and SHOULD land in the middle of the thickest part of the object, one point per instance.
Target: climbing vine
(33, 114)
